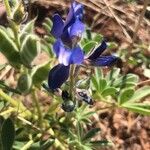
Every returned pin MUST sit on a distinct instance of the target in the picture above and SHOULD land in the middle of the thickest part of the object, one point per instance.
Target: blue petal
(98, 51)
(105, 61)
(57, 76)
(77, 56)
(77, 28)
(76, 11)
(58, 26)
(63, 53)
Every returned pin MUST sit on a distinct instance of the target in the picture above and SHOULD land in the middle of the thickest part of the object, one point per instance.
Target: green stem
(40, 116)
(17, 104)
(8, 10)
(71, 89)
(28, 145)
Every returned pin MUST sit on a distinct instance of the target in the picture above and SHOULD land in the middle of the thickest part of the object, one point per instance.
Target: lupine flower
(72, 28)
(60, 73)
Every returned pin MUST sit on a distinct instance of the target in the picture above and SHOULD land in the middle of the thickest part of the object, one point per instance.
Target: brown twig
(137, 26)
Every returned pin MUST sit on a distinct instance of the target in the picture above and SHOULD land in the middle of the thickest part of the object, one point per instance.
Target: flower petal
(76, 11)
(62, 53)
(105, 61)
(77, 56)
(57, 76)
(77, 28)
(98, 51)
(65, 37)
(58, 26)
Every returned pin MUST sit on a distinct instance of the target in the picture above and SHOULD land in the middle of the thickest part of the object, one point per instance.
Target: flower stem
(71, 89)
(40, 117)
(8, 10)
(15, 103)
(28, 145)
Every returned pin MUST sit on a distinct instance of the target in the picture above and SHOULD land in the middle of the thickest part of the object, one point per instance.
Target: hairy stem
(8, 10)
(71, 88)
(40, 116)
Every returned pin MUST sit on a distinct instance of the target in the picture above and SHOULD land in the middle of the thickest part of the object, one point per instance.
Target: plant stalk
(8, 9)
(40, 116)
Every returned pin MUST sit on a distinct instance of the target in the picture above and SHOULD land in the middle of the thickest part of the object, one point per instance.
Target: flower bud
(24, 83)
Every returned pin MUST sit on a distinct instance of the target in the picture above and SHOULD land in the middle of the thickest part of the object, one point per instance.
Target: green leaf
(141, 108)
(30, 48)
(94, 83)
(8, 134)
(102, 85)
(109, 91)
(125, 96)
(47, 144)
(41, 73)
(28, 28)
(113, 74)
(101, 143)
(124, 80)
(140, 93)
(98, 74)
(89, 46)
(47, 24)
(91, 134)
(98, 38)
(9, 49)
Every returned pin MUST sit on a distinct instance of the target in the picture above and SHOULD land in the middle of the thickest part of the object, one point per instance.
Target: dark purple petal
(57, 76)
(58, 26)
(77, 28)
(65, 37)
(98, 51)
(104, 61)
(77, 56)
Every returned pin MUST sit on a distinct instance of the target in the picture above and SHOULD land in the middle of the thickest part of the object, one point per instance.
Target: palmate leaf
(140, 93)
(141, 108)
(7, 134)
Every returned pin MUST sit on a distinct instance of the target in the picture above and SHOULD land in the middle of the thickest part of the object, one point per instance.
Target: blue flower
(95, 58)
(72, 27)
(60, 73)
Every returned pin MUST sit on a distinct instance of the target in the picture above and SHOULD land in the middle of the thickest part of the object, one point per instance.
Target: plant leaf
(140, 93)
(91, 134)
(8, 134)
(140, 108)
(30, 48)
(125, 95)
(41, 73)
(109, 91)
(9, 49)
(89, 46)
